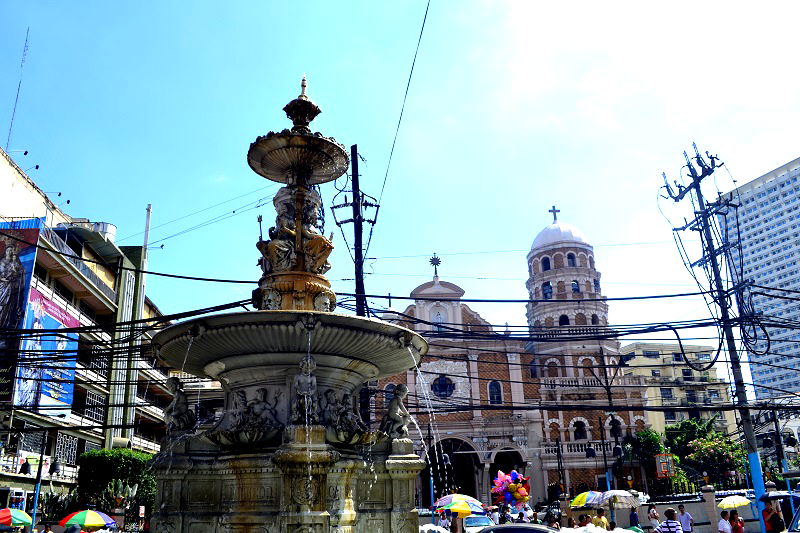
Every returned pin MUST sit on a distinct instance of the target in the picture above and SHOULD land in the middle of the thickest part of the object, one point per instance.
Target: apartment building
(93, 385)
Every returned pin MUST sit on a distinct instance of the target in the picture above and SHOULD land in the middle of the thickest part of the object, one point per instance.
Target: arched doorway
(505, 460)
(455, 469)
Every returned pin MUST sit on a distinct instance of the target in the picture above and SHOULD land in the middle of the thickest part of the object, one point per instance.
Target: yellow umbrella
(732, 502)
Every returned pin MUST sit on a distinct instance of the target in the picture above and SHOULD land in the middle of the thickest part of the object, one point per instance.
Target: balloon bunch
(512, 489)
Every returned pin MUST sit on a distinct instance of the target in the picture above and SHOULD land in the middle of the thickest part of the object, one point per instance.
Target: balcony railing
(579, 447)
(59, 244)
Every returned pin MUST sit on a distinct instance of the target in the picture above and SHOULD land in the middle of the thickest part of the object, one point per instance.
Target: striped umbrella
(87, 519)
(449, 498)
(14, 517)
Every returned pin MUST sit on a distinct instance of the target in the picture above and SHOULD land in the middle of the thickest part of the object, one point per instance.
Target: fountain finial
(302, 110)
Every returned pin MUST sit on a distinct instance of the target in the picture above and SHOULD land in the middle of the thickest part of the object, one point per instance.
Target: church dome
(559, 233)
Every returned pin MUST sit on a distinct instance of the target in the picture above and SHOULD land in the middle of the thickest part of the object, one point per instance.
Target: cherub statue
(395, 422)
(177, 414)
(304, 408)
(264, 411)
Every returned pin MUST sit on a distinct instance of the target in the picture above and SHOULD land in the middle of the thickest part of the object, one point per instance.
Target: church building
(549, 404)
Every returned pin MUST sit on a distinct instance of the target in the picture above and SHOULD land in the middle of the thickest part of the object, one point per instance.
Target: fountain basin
(247, 347)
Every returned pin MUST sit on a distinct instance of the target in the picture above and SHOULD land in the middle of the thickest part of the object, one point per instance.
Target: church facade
(549, 404)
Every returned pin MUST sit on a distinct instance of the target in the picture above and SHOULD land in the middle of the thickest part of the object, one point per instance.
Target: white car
(475, 523)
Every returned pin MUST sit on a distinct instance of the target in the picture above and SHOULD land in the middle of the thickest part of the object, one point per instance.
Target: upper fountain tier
(297, 156)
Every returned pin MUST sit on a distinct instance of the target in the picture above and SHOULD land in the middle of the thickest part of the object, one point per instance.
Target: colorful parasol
(732, 502)
(619, 499)
(583, 499)
(88, 519)
(14, 517)
(460, 504)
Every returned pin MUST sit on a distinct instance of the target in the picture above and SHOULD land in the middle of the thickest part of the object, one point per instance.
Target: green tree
(678, 436)
(99, 468)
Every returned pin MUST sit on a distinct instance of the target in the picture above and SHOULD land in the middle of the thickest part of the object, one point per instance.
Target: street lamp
(630, 481)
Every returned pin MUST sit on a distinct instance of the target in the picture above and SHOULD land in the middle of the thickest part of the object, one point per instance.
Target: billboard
(18, 241)
(47, 382)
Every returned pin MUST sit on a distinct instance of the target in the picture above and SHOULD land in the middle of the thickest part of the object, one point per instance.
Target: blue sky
(514, 107)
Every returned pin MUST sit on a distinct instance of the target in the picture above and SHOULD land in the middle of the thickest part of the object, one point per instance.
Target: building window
(534, 369)
(576, 287)
(547, 290)
(691, 396)
(670, 416)
(495, 393)
(580, 430)
(571, 260)
(595, 320)
(687, 374)
(704, 357)
(677, 357)
(563, 320)
(545, 264)
(443, 387)
(616, 428)
(666, 394)
(713, 393)
(388, 394)
(95, 406)
(596, 285)
(655, 373)
(66, 448)
(650, 353)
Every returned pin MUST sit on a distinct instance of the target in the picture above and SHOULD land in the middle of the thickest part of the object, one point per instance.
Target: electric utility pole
(702, 224)
(359, 203)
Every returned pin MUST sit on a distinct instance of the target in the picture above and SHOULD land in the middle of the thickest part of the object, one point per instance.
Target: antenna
(19, 85)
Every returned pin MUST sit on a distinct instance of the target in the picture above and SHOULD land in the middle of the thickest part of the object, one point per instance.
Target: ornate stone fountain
(290, 453)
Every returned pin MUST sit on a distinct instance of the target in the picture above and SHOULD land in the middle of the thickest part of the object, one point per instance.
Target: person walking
(653, 516)
(724, 526)
(686, 519)
(444, 522)
(670, 525)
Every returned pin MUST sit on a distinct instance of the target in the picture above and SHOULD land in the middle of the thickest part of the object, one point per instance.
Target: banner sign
(665, 465)
(18, 241)
(48, 384)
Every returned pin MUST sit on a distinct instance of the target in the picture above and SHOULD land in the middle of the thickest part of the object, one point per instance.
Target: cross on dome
(555, 213)
(435, 262)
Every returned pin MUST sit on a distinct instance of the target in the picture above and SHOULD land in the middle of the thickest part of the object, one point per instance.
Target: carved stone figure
(395, 422)
(330, 413)
(349, 418)
(263, 411)
(177, 414)
(305, 409)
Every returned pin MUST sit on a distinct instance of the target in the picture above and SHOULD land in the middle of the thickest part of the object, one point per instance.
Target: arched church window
(443, 387)
(596, 285)
(580, 319)
(495, 393)
(576, 287)
(563, 320)
(571, 260)
(547, 290)
(579, 430)
(595, 320)
(545, 264)
(388, 394)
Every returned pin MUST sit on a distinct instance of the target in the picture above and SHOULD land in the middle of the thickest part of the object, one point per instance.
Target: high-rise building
(91, 386)
(767, 224)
